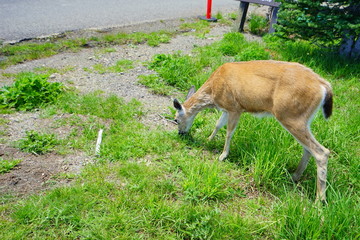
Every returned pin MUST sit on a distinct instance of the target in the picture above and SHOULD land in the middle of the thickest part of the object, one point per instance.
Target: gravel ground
(37, 173)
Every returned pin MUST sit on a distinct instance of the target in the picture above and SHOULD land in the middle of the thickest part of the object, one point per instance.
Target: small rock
(54, 75)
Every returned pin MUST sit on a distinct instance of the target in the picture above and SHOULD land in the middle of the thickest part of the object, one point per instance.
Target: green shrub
(29, 91)
(37, 143)
(334, 24)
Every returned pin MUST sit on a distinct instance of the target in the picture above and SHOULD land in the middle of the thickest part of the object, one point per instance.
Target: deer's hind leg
(302, 165)
(300, 130)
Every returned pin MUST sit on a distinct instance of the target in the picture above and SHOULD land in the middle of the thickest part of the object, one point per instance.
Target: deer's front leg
(219, 124)
(233, 119)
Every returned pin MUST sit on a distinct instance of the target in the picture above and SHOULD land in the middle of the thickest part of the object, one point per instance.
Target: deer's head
(183, 119)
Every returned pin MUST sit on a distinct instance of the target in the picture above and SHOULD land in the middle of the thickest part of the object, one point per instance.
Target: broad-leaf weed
(29, 91)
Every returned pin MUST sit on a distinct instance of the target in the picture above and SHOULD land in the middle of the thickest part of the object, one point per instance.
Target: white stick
(98, 142)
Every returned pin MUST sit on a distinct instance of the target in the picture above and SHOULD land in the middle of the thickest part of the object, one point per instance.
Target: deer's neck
(198, 102)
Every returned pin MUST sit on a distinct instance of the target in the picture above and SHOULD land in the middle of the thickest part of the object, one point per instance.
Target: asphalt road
(21, 19)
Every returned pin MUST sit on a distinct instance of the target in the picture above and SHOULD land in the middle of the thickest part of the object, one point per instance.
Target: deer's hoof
(223, 156)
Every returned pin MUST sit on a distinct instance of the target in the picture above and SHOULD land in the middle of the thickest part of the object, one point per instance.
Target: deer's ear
(192, 90)
(177, 105)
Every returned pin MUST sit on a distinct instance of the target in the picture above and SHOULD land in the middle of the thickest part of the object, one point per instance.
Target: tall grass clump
(176, 69)
(232, 44)
(299, 218)
(258, 24)
(205, 182)
(156, 84)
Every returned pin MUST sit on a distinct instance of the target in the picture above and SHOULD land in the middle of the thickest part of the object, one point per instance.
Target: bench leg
(240, 22)
(273, 19)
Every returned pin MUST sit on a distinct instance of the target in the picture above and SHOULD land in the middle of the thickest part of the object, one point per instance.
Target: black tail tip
(328, 105)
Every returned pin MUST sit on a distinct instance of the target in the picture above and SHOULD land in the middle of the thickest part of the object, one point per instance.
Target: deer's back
(259, 86)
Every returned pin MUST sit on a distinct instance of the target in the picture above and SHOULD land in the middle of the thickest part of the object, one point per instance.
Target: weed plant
(37, 143)
(29, 91)
(7, 165)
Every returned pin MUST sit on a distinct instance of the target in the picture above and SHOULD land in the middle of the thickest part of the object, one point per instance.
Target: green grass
(182, 71)
(119, 67)
(150, 183)
(7, 165)
(49, 70)
(198, 28)
(21, 52)
(155, 84)
(27, 51)
(258, 24)
(37, 143)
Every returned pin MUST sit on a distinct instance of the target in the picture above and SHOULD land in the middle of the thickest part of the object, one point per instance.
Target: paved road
(21, 19)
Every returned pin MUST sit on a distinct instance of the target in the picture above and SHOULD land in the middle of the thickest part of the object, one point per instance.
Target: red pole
(208, 13)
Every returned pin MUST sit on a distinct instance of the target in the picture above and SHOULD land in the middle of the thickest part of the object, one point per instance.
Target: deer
(290, 92)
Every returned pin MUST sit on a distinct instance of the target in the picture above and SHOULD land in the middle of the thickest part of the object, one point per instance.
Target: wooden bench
(244, 5)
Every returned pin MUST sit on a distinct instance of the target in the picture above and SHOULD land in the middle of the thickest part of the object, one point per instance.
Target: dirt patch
(38, 172)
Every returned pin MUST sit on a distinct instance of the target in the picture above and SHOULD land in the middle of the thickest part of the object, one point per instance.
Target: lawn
(153, 184)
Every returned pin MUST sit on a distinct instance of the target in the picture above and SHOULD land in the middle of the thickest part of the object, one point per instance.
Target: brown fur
(290, 92)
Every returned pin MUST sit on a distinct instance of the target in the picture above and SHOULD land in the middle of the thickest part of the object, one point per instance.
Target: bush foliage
(332, 23)
(29, 91)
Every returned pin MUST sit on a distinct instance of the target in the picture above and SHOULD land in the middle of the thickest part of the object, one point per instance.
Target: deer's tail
(328, 102)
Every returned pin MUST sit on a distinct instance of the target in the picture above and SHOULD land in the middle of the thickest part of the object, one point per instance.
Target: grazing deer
(291, 92)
